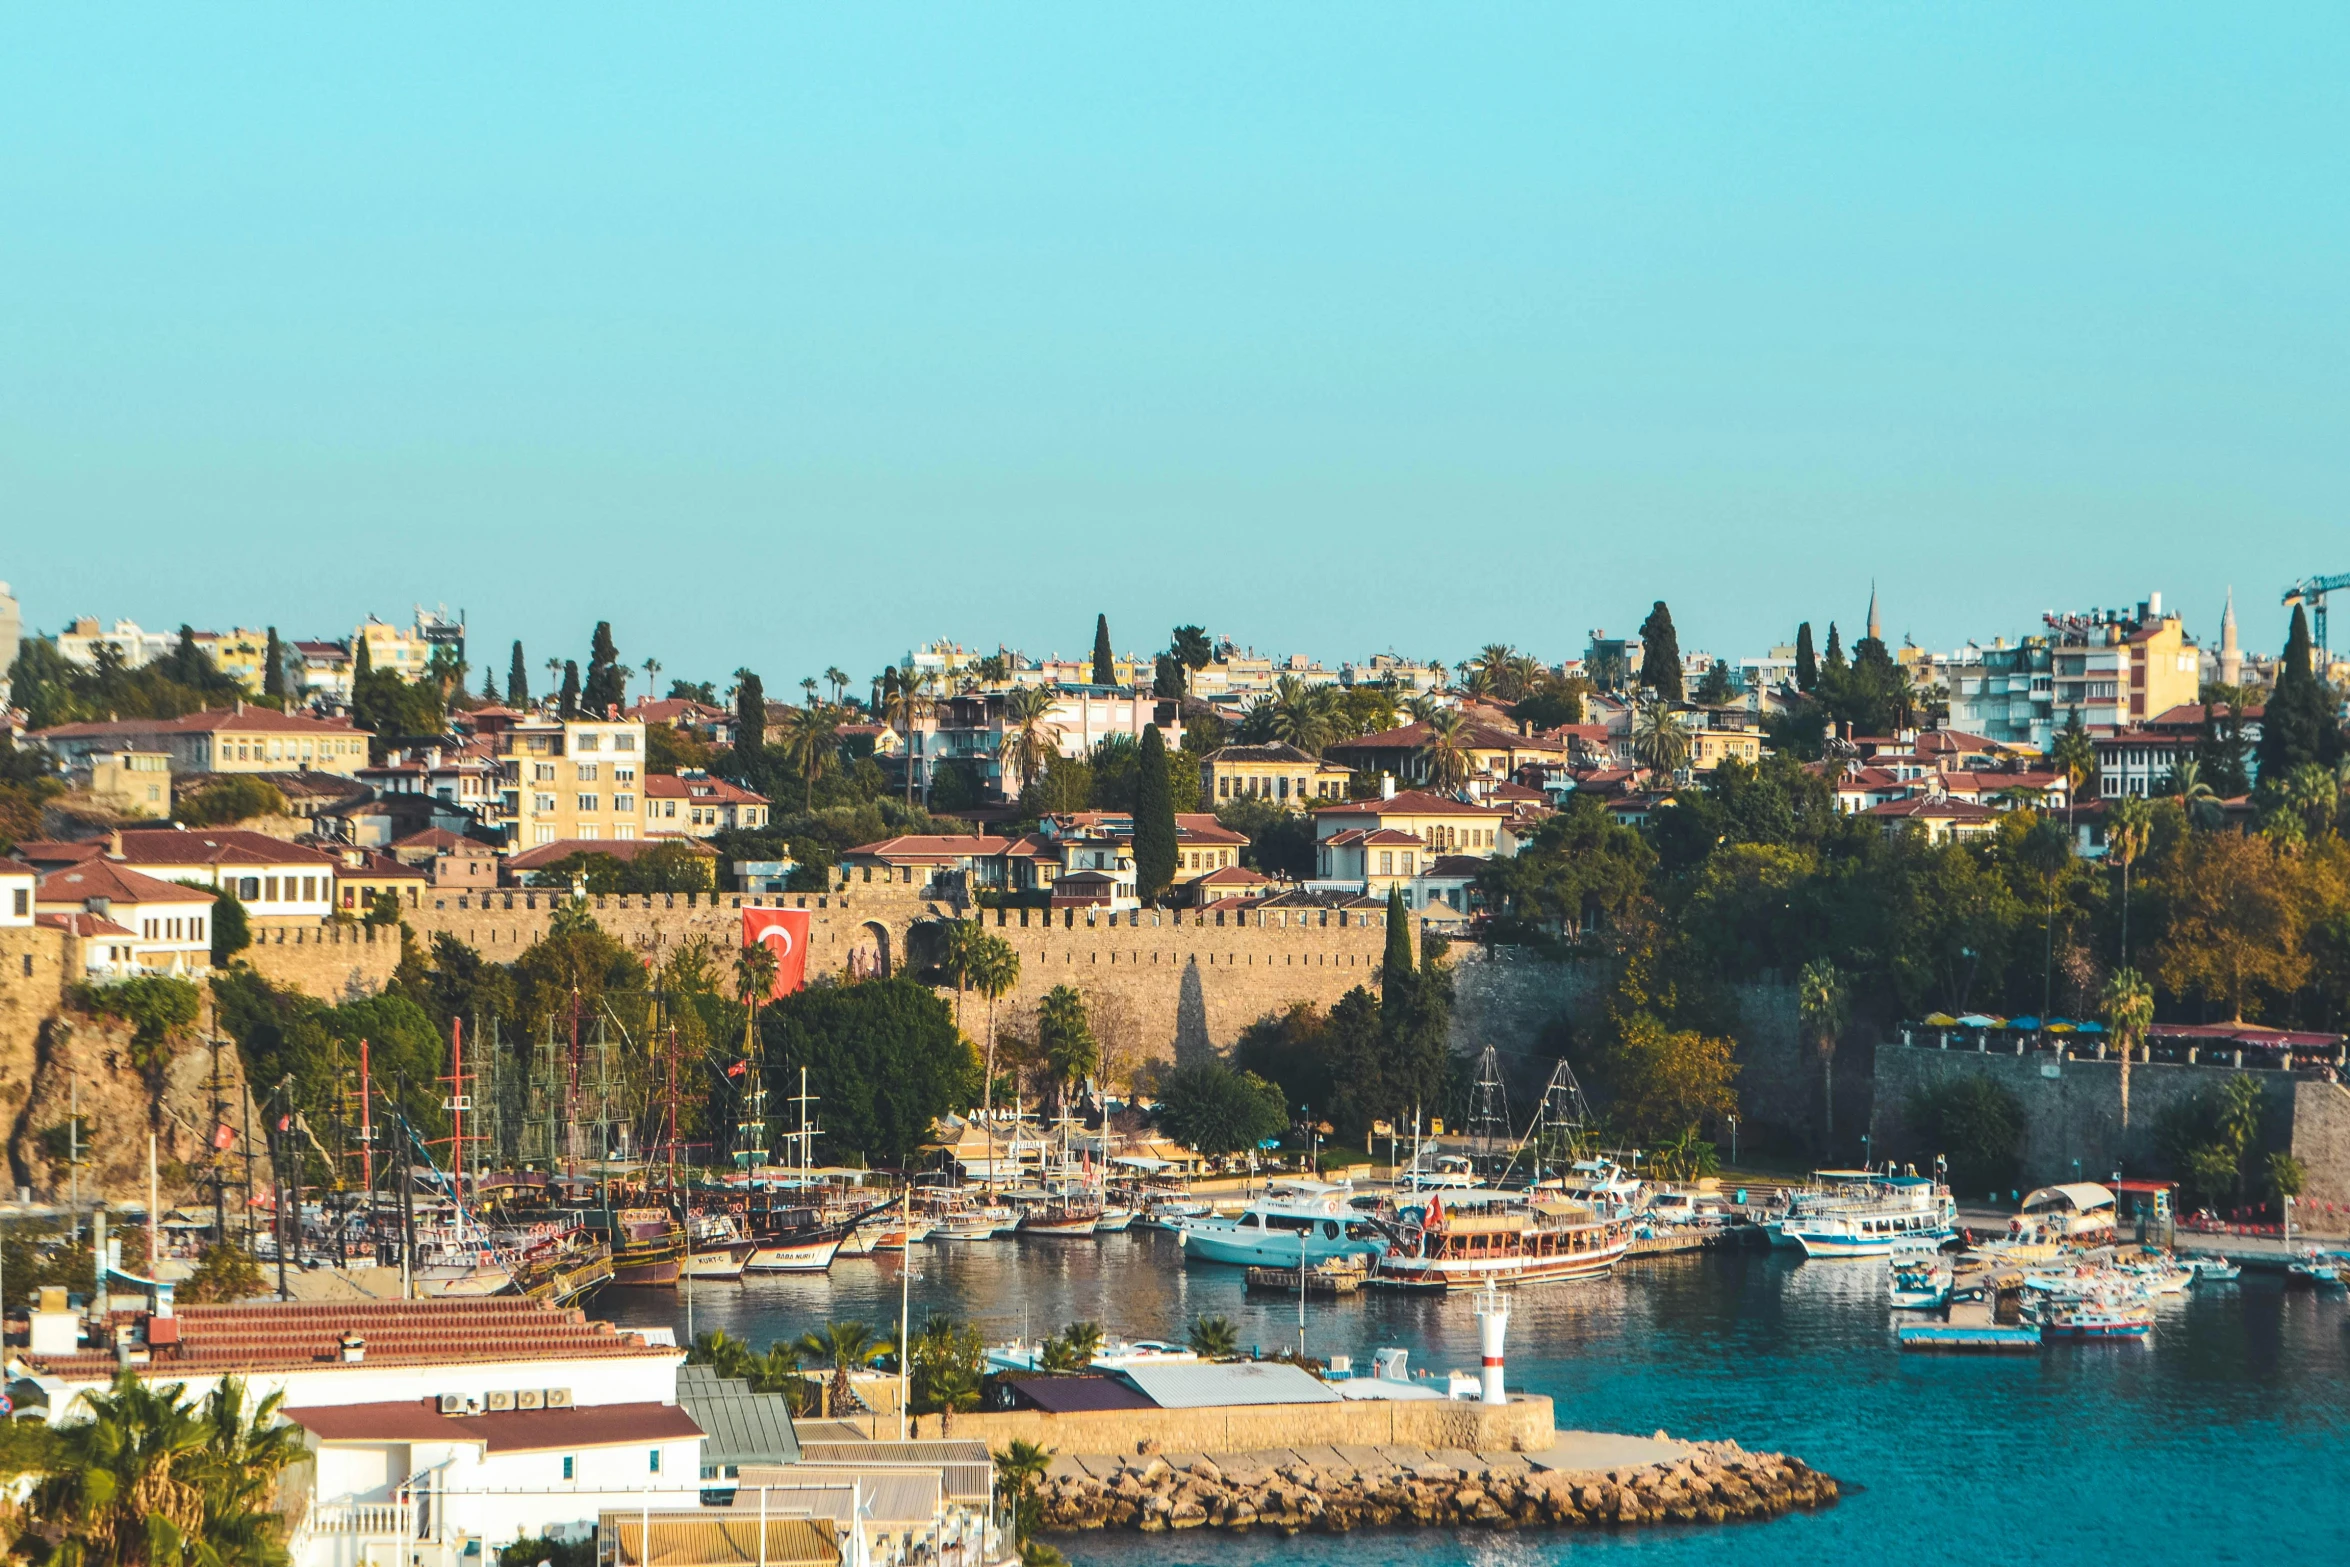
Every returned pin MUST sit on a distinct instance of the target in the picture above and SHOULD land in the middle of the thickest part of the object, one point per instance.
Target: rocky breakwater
(1713, 1482)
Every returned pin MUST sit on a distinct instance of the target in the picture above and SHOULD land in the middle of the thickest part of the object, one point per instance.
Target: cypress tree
(1397, 975)
(362, 662)
(1154, 818)
(606, 687)
(273, 668)
(1660, 654)
(489, 685)
(750, 713)
(1807, 662)
(2297, 725)
(1105, 667)
(517, 679)
(1835, 648)
(568, 703)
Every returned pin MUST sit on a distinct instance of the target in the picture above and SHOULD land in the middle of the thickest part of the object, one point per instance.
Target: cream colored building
(130, 783)
(237, 739)
(1280, 773)
(566, 779)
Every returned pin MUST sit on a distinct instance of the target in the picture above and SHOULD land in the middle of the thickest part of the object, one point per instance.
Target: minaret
(2231, 660)
(1876, 632)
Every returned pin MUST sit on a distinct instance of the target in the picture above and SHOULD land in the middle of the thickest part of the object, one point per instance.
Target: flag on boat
(785, 933)
(1435, 1214)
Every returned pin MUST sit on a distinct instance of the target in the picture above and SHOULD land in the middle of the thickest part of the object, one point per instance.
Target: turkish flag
(222, 1136)
(786, 932)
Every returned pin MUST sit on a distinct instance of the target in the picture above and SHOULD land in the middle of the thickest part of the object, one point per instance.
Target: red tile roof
(1408, 802)
(115, 882)
(1474, 736)
(214, 846)
(1923, 806)
(622, 849)
(259, 719)
(930, 849)
(715, 791)
(296, 1335)
(82, 924)
(1375, 837)
(442, 839)
(1231, 876)
(501, 1431)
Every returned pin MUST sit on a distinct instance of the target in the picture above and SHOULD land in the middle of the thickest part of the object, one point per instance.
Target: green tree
(811, 743)
(238, 797)
(232, 933)
(949, 1364)
(2129, 823)
(1190, 646)
(567, 701)
(885, 1057)
(2074, 756)
(1064, 1035)
(1715, 689)
(273, 668)
(607, 683)
(1658, 737)
(750, 714)
(1807, 662)
(1105, 665)
(1072, 1350)
(2222, 754)
(1976, 1124)
(1398, 967)
(1444, 752)
(1028, 739)
(844, 1347)
(1660, 654)
(1154, 819)
(2129, 1013)
(1214, 1338)
(224, 1274)
(1219, 1111)
(517, 679)
(2195, 794)
(1019, 1470)
(2297, 725)
(1823, 1001)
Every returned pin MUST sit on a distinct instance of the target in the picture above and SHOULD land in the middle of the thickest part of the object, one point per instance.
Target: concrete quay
(1584, 1479)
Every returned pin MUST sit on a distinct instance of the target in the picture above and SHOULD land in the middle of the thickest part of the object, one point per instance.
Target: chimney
(114, 843)
(1387, 786)
(240, 710)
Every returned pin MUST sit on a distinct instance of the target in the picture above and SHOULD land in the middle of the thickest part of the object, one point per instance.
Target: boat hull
(1829, 1246)
(1068, 1227)
(1233, 1246)
(789, 1256)
(1468, 1273)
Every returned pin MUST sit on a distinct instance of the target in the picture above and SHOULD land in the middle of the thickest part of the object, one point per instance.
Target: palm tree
(2309, 792)
(837, 678)
(1028, 739)
(994, 971)
(1444, 754)
(1071, 1053)
(2075, 757)
(2129, 1013)
(960, 959)
(121, 1488)
(245, 1450)
(1658, 738)
(1214, 1338)
(1074, 1349)
(811, 739)
(754, 974)
(1822, 1000)
(652, 678)
(2127, 827)
(1300, 715)
(845, 1347)
(2197, 798)
(1018, 1468)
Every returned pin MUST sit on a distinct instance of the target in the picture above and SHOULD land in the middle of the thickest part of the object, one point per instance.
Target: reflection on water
(2222, 1441)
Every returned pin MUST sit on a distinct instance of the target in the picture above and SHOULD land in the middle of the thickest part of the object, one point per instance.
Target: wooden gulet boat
(1505, 1239)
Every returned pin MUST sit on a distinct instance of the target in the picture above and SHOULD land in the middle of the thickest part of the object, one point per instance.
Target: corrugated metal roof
(713, 1539)
(967, 1469)
(1242, 1382)
(1068, 1395)
(739, 1426)
(892, 1496)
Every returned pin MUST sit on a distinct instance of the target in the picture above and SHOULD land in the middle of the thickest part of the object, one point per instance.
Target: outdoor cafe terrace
(2186, 1044)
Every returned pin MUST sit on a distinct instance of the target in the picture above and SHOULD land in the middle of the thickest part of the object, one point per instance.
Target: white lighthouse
(1493, 1322)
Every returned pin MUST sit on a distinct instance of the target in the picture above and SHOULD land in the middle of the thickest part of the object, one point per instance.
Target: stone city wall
(2072, 1112)
(1523, 1425)
(332, 962)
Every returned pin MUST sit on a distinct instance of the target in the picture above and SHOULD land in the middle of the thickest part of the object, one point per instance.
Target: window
(570, 1467)
(544, 834)
(542, 803)
(625, 830)
(624, 775)
(588, 743)
(669, 808)
(624, 742)
(309, 888)
(587, 772)
(542, 772)
(624, 803)
(586, 802)
(655, 1464)
(22, 904)
(269, 889)
(589, 830)
(1386, 862)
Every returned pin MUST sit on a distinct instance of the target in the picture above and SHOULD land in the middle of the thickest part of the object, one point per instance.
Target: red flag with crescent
(785, 933)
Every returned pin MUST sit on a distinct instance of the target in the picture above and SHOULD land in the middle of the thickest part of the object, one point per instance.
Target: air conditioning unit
(558, 1398)
(530, 1398)
(452, 1403)
(500, 1401)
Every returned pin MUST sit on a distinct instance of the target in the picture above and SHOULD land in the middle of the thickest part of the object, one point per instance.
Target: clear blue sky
(792, 336)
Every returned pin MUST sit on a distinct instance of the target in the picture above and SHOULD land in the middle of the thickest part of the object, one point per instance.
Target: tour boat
(648, 1244)
(717, 1247)
(1114, 1221)
(1912, 1214)
(1270, 1231)
(1063, 1219)
(2311, 1266)
(1442, 1172)
(794, 1240)
(2107, 1318)
(1466, 1243)
(1830, 1191)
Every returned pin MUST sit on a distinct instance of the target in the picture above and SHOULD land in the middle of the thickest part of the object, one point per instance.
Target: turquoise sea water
(2226, 1440)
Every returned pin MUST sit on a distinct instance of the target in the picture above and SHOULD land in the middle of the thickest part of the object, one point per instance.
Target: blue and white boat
(1909, 1213)
(1311, 1217)
(1829, 1191)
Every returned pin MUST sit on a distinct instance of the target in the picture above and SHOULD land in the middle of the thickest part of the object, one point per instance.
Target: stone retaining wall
(329, 961)
(1522, 1425)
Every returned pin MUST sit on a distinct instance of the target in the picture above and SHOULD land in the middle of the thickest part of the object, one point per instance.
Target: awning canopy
(2079, 1196)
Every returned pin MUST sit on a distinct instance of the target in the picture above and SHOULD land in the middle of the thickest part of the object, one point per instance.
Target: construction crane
(2312, 591)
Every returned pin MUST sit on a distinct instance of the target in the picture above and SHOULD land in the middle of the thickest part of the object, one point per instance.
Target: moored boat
(648, 1246)
(1271, 1231)
(1465, 1244)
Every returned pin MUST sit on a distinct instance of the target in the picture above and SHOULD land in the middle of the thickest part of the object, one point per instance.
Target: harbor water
(2224, 1440)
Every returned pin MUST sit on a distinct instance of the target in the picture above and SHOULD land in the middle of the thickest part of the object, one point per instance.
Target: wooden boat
(1113, 1220)
(1062, 1221)
(564, 1267)
(1460, 1244)
(648, 1247)
(1336, 1277)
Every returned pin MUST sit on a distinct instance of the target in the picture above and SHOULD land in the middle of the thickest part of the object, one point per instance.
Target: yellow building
(132, 783)
(243, 655)
(235, 739)
(1441, 826)
(1280, 773)
(406, 653)
(565, 779)
(1710, 748)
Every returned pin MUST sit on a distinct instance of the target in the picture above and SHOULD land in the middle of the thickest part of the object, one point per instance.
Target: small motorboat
(1113, 1221)
(2211, 1270)
(1919, 1285)
(2311, 1266)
